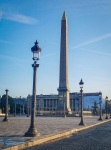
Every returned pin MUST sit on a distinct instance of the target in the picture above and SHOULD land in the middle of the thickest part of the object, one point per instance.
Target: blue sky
(89, 45)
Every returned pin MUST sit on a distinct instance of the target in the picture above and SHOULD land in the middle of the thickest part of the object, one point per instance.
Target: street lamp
(15, 110)
(32, 131)
(23, 109)
(100, 96)
(106, 99)
(81, 83)
(6, 114)
(3, 110)
(64, 99)
(20, 111)
(15, 106)
(28, 105)
(110, 108)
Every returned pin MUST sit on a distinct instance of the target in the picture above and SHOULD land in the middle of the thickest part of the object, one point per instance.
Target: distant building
(20, 100)
(90, 98)
(50, 102)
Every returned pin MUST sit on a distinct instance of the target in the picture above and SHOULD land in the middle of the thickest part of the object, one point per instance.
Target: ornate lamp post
(81, 83)
(32, 131)
(6, 114)
(106, 107)
(64, 99)
(15, 106)
(20, 111)
(100, 96)
(3, 110)
(110, 108)
(15, 110)
(23, 109)
(28, 97)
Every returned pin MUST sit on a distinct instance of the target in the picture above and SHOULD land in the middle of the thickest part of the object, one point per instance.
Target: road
(96, 138)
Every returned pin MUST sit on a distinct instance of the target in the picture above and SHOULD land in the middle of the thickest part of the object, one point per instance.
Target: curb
(52, 137)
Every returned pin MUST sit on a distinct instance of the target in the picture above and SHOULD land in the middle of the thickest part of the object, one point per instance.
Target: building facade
(49, 103)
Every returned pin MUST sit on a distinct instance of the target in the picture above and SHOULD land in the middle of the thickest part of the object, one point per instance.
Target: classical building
(50, 103)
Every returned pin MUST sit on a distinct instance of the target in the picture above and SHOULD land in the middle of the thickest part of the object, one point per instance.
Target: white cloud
(21, 18)
(93, 40)
(96, 51)
(18, 18)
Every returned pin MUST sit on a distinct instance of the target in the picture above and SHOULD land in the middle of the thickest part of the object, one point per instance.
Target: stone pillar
(46, 104)
(63, 89)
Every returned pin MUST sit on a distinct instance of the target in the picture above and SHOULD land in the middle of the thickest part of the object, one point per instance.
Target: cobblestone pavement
(96, 138)
(12, 132)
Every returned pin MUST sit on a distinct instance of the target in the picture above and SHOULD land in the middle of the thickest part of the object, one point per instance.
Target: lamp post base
(100, 119)
(106, 117)
(32, 132)
(5, 119)
(82, 123)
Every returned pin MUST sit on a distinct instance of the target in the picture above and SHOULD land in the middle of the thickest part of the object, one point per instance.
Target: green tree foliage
(10, 103)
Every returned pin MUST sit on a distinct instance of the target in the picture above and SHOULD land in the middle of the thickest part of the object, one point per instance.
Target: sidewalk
(50, 128)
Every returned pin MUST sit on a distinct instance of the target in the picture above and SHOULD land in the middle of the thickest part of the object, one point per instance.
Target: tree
(10, 103)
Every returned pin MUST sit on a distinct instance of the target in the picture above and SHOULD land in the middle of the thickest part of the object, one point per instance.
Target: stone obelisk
(63, 90)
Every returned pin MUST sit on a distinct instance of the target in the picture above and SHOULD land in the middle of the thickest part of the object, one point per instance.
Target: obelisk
(63, 90)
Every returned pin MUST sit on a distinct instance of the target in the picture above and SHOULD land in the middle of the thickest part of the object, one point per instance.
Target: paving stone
(97, 138)
(12, 132)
